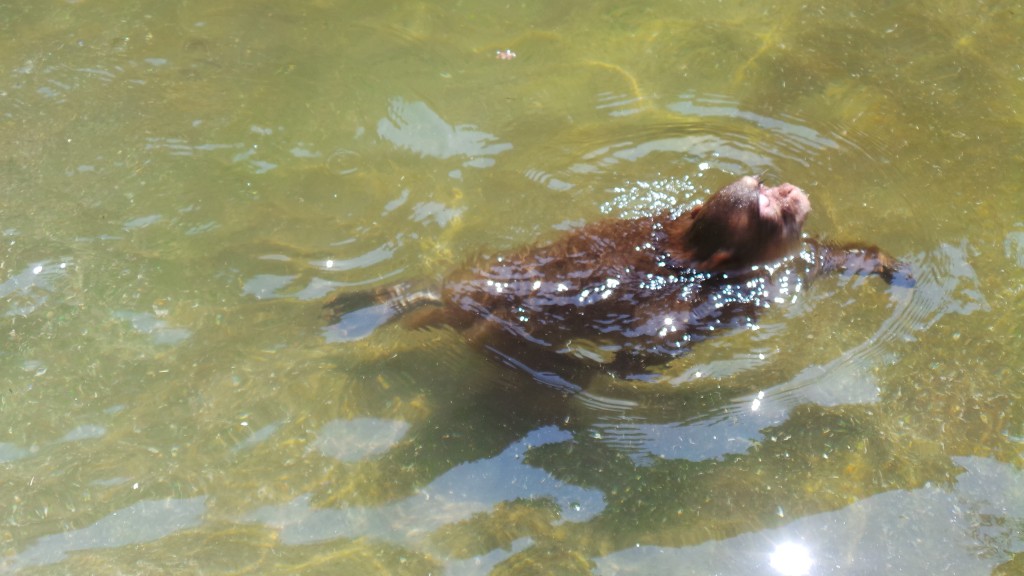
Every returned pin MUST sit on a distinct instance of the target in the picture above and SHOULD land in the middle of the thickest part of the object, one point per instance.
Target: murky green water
(182, 184)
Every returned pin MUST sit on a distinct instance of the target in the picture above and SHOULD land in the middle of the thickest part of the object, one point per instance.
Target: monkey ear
(718, 258)
(695, 209)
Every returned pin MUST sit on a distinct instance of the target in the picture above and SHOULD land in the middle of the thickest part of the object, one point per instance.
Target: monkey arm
(855, 259)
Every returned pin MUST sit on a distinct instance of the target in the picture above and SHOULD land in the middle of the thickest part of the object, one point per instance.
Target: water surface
(182, 185)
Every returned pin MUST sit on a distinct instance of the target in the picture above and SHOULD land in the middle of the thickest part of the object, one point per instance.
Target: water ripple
(946, 284)
(414, 126)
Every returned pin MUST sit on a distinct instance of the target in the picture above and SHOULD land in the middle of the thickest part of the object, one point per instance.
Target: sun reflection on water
(791, 559)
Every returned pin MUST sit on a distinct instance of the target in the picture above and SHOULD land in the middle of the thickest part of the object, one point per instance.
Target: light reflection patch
(791, 559)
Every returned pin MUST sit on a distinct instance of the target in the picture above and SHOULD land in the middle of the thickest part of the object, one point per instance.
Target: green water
(183, 184)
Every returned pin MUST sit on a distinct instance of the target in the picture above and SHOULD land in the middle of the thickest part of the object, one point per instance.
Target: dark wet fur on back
(626, 294)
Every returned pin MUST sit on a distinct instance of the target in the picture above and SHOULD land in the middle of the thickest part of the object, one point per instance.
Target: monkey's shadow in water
(479, 408)
(480, 404)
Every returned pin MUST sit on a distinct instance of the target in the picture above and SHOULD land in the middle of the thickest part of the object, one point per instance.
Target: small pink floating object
(505, 55)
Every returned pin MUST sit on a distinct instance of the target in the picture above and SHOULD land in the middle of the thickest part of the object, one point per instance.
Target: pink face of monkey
(784, 205)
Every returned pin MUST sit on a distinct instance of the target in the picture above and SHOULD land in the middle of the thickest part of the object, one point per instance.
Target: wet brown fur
(629, 292)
